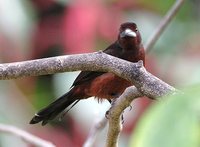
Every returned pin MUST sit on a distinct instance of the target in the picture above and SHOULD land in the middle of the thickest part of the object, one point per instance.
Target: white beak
(129, 33)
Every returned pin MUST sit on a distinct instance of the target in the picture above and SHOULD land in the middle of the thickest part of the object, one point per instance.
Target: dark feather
(52, 110)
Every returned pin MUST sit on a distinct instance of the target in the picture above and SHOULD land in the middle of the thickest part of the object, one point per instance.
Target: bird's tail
(53, 109)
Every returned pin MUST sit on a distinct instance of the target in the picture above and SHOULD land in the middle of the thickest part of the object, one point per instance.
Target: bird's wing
(86, 76)
(113, 49)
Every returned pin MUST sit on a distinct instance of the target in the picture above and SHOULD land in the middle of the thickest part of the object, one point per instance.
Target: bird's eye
(136, 29)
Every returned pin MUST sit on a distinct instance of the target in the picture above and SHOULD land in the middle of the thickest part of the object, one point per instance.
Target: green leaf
(171, 122)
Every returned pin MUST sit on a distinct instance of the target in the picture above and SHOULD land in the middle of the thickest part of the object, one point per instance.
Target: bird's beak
(128, 32)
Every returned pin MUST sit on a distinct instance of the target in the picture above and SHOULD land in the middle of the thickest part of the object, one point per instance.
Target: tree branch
(115, 112)
(163, 24)
(25, 136)
(145, 82)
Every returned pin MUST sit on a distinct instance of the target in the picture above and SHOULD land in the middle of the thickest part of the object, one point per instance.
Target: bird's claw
(122, 118)
(130, 107)
(107, 114)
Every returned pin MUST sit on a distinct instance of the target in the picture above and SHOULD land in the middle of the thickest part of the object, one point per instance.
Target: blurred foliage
(158, 5)
(171, 122)
(161, 7)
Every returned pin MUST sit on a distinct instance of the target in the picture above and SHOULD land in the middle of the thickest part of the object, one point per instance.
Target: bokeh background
(32, 29)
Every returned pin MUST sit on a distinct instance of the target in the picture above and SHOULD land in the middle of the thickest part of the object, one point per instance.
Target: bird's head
(129, 36)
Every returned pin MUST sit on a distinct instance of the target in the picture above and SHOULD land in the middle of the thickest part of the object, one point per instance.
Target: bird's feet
(107, 115)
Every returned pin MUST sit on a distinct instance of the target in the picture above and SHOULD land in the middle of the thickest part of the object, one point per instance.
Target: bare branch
(25, 136)
(115, 112)
(146, 83)
(163, 24)
(91, 62)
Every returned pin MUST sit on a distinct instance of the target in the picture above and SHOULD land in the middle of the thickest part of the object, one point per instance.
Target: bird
(101, 85)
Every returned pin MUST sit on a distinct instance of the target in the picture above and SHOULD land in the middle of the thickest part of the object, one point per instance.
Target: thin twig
(163, 24)
(98, 126)
(36, 141)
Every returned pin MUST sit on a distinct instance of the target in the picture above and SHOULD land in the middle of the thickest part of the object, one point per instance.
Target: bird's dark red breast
(100, 84)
